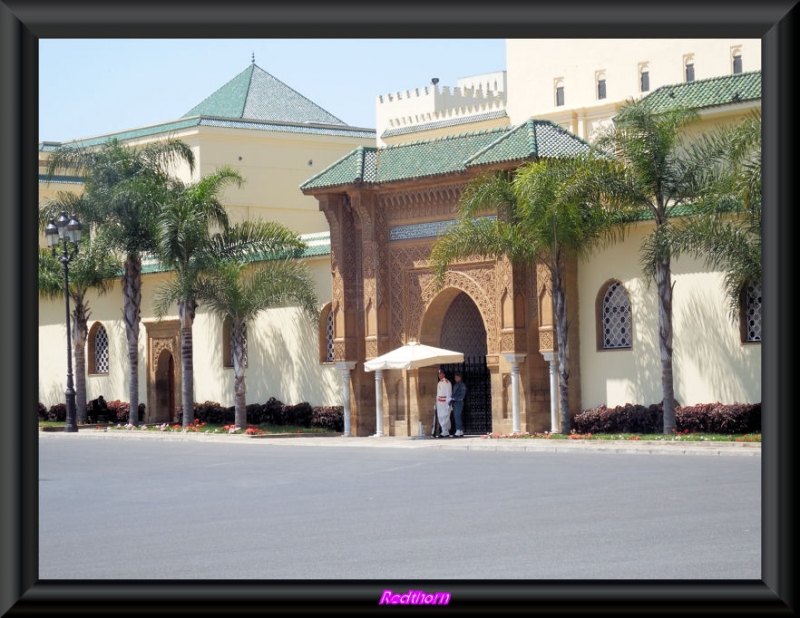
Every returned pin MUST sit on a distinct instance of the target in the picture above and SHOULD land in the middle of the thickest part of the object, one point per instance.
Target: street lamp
(68, 233)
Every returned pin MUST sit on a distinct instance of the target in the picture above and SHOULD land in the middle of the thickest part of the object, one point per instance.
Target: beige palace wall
(283, 351)
(534, 65)
(274, 165)
(707, 348)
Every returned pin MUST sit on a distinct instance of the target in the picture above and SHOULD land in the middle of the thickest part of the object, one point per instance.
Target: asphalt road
(187, 510)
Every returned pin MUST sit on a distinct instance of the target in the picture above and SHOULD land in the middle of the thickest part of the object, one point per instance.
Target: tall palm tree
(92, 268)
(543, 217)
(183, 235)
(238, 290)
(726, 229)
(659, 175)
(187, 243)
(125, 188)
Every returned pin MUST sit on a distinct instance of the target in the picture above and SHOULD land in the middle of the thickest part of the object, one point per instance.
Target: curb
(623, 447)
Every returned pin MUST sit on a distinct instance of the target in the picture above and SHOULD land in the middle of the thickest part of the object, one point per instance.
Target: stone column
(346, 368)
(550, 357)
(515, 360)
(378, 403)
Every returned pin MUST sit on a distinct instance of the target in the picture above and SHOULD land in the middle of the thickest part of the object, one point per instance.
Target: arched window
(326, 335)
(98, 349)
(600, 78)
(644, 77)
(736, 60)
(751, 314)
(614, 329)
(688, 64)
(559, 92)
(227, 344)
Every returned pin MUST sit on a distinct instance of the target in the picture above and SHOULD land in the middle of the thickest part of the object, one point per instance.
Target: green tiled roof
(704, 93)
(254, 94)
(317, 244)
(170, 127)
(252, 100)
(58, 179)
(447, 155)
(533, 138)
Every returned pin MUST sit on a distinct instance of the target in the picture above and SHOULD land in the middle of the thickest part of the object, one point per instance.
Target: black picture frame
(24, 22)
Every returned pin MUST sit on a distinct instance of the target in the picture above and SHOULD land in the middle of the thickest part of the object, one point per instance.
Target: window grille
(753, 312)
(616, 318)
(560, 96)
(100, 350)
(601, 89)
(689, 72)
(329, 337)
(737, 63)
(644, 81)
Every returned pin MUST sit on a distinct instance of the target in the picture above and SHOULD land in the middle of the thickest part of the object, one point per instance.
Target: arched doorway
(164, 409)
(463, 330)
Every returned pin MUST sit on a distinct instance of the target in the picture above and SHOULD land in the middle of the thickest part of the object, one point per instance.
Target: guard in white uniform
(444, 392)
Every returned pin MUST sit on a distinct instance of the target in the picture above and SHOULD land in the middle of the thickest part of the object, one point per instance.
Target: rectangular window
(689, 72)
(601, 89)
(737, 64)
(560, 96)
(644, 81)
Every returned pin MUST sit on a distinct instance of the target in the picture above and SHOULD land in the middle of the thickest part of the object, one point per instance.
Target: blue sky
(90, 87)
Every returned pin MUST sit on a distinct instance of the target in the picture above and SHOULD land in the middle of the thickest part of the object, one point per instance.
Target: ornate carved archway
(163, 371)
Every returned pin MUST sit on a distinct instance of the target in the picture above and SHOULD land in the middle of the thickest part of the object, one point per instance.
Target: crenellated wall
(473, 96)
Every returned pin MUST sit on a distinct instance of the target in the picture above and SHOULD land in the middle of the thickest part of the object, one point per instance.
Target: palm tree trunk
(664, 282)
(79, 335)
(239, 387)
(560, 311)
(187, 365)
(80, 380)
(132, 292)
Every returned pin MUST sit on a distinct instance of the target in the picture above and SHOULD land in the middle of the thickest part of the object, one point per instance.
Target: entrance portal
(164, 409)
(463, 330)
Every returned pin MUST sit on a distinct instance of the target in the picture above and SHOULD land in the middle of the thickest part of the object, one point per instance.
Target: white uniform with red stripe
(444, 390)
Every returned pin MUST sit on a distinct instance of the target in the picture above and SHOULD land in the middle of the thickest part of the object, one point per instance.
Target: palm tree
(238, 290)
(543, 217)
(125, 188)
(93, 268)
(726, 231)
(183, 235)
(187, 245)
(658, 175)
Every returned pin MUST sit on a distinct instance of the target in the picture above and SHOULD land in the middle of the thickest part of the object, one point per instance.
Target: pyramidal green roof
(254, 94)
(704, 93)
(450, 154)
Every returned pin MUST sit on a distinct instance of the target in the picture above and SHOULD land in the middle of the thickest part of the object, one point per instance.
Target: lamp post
(67, 232)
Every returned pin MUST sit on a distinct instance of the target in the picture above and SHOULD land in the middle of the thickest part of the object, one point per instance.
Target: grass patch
(200, 428)
(685, 436)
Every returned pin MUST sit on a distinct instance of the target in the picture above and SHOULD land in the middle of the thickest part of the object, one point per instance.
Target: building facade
(371, 205)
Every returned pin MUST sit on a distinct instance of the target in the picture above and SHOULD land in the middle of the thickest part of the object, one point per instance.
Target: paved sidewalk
(476, 443)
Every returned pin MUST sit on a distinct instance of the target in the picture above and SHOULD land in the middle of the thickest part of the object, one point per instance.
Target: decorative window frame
(600, 313)
(97, 330)
(751, 314)
(326, 352)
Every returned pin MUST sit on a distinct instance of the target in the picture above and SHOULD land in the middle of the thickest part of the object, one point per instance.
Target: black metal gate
(475, 374)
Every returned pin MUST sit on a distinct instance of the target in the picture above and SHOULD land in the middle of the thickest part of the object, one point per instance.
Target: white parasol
(413, 355)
